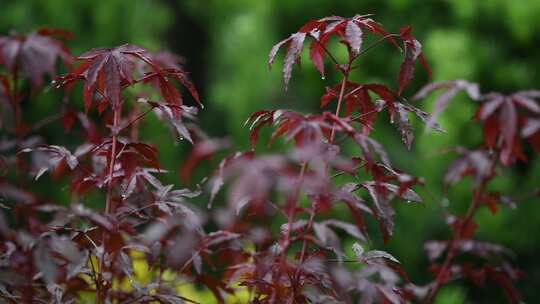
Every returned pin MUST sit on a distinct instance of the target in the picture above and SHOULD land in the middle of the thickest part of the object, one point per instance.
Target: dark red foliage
(452, 88)
(34, 54)
(508, 118)
(53, 252)
(107, 71)
(413, 52)
(350, 33)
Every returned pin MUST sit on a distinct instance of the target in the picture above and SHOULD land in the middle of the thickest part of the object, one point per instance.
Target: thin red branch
(453, 245)
(116, 122)
(313, 207)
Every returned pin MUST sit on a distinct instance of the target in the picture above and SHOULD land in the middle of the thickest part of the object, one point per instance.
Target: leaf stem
(340, 100)
(108, 203)
(290, 215)
(290, 220)
(45, 121)
(375, 43)
(136, 119)
(116, 121)
(94, 273)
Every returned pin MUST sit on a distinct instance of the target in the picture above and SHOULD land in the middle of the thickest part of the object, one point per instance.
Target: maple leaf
(201, 150)
(371, 148)
(354, 203)
(174, 116)
(403, 123)
(350, 229)
(173, 202)
(381, 194)
(372, 256)
(35, 54)
(92, 216)
(475, 163)
(106, 71)
(160, 79)
(168, 60)
(452, 88)
(255, 178)
(328, 239)
(217, 179)
(357, 97)
(136, 154)
(353, 35)
(17, 194)
(304, 129)
(140, 174)
(413, 52)
(384, 289)
(494, 266)
(54, 155)
(258, 120)
(503, 116)
(296, 44)
(435, 249)
(349, 30)
(308, 130)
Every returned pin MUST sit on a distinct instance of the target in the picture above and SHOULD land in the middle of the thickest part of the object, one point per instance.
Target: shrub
(331, 167)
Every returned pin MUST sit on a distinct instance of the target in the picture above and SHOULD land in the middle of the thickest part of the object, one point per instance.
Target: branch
(374, 44)
(452, 246)
(116, 121)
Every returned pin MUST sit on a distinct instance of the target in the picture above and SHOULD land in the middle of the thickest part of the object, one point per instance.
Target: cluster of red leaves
(357, 98)
(31, 56)
(55, 252)
(350, 32)
(107, 71)
(301, 187)
(507, 121)
(34, 54)
(508, 118)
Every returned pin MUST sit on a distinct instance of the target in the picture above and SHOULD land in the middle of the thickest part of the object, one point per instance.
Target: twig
(116, 121)
(139, 117)
(374, 44)
(452, 246)
(40, 124)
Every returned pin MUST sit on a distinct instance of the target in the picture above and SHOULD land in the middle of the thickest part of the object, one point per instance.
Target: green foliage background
(226, 43)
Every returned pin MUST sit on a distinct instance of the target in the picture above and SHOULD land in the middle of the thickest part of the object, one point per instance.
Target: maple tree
(56, 253)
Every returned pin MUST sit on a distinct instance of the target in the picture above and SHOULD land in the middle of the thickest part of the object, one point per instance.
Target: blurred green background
(226, 43)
